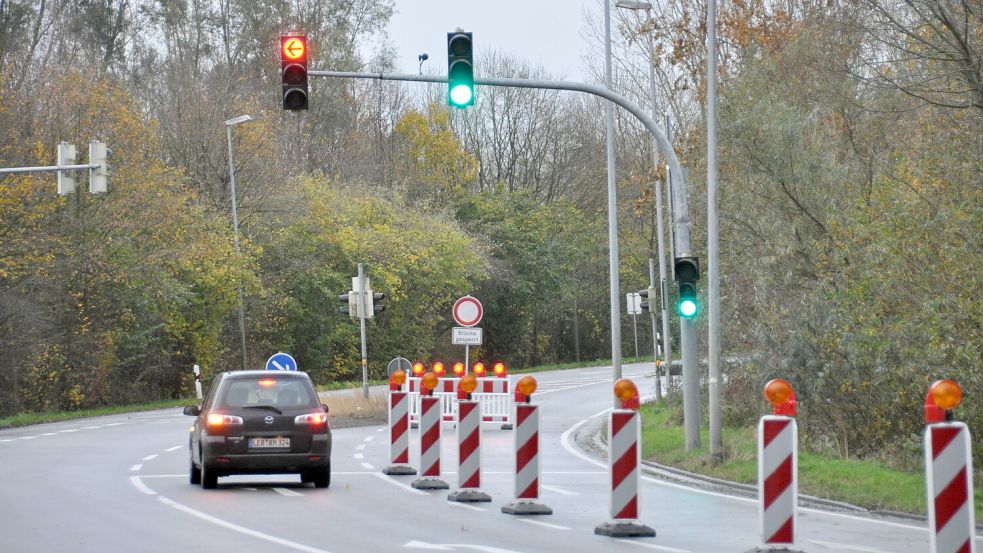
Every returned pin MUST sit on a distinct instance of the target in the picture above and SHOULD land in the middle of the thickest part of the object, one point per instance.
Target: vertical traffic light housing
(293, 71)
(687, 274)
(377, 305)
(348, 304)
(460, 69)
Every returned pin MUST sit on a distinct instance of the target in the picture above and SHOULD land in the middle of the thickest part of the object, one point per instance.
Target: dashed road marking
(138, 484)
(359, 456)
(149, 457)
(136, 468)
(653, 546)
(395, 482)
(544, 524)
(560, 491)
(466, 506)
(368, 466)
(361, 447)
(175, 448)
(287, 492)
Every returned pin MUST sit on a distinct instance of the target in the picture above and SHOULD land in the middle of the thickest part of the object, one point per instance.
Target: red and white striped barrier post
(468, 445)
(949, 472)
(429, 438)
(399, 428)
(527, 469)
(624, 457)
(778, 467)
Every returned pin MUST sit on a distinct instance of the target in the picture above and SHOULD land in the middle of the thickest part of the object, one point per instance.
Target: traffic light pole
(681, 220)
(361, 323)
(655, 330)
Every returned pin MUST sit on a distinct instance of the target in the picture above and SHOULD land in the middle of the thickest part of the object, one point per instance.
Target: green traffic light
(688, 308)
(461, 95)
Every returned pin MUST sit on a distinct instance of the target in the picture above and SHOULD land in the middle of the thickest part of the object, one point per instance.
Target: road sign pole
(467, 358)
(361, 321)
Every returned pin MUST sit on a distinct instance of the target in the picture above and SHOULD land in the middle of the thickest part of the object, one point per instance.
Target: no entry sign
(467, 311)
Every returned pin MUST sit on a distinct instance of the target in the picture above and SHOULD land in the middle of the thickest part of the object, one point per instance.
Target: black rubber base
(469, 496)
(624, 530)
(776, 549)
(430, 483)
(526, 508)
(399, 470)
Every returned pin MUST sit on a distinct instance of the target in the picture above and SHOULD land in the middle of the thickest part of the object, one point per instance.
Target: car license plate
(260, 443)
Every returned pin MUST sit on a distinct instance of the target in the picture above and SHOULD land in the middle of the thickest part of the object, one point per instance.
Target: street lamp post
(663, 284)
(235, 227)
(612, 208)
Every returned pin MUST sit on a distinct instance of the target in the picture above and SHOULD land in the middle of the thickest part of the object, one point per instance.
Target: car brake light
(218, 419)
(311, 418)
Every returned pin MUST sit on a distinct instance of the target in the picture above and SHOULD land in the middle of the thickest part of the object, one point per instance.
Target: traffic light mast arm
(49, 168)
(675, 169)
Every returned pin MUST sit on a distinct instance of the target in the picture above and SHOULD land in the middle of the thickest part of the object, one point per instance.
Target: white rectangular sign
(634, 303)
(466, 336)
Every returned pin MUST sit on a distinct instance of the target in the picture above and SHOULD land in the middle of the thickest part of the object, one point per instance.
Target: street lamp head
(633, 5)
(236, 120)
(423, 57)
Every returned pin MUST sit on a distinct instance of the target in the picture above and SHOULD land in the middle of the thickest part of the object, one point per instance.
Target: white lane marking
(368, 466)
(538, 394)
(466, 506)
(175, 448)
(560, 491)
(114, 424)
(240, 529)
(395, 482)
(27, 437)
(136, 468)
(361, 447)
(287, 493)
(370, 438)
(91, 427)
(359, 456)
(544, 524)
(138, 483)
(10, 440)
(565, 442)
(67, 431)
(185, 475)
(653, 546)
(50, 434)
(378, 430)
(836, 545)
(149, 457)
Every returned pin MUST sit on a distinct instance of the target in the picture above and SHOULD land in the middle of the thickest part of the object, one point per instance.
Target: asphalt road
(120, 484)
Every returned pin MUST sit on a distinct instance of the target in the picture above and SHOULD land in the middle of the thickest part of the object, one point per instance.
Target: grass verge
(864, 483)
(26, 419)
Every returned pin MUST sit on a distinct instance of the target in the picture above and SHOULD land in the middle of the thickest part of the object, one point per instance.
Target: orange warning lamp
(429, 382)
(524, 388)
(627, 392)
(458, 369)
(468, 384)
(479, 369)
(942, 398)
(418, 369)
(499, 369)
(397, 379)
(439, 369)
(779, 393)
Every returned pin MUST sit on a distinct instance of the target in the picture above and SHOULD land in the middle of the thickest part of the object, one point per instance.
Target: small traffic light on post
(293, 71)
(646, 294)
(460, 69)
(348, 305)
(98, 176)
(377, 305)
(67, 155)
(687, 274)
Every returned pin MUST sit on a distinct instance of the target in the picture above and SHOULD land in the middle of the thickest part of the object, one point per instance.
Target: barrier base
(399, 470)
(624, 530)
(468, 496)
(776, 549)
(430, 483)
(506, 426)
(526, 508)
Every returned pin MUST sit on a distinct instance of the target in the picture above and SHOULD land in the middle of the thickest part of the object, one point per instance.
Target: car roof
(255, 374)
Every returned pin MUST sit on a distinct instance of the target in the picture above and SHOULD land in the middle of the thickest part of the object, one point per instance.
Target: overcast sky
(547, 33)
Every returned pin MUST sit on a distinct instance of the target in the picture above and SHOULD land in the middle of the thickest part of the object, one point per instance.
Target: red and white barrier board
(469, 453)
(430, 445)
(493, 393)
(399, 434)
(949, 475)
(624, 458)
(778, 479)
(527, 469)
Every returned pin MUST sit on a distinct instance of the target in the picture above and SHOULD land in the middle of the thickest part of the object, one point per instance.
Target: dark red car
(260, 422)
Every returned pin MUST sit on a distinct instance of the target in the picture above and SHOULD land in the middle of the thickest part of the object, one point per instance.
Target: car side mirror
(192, 410)
(325, 407)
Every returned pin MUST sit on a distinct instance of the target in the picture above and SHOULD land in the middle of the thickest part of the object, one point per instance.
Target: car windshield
(282, 393)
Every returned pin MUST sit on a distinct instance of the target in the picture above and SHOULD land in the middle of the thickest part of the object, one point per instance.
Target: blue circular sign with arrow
(281, 362)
